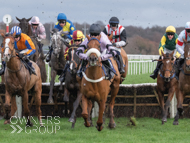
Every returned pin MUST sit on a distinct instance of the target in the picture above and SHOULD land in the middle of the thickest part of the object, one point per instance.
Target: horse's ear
(185, 41)
(3, 35)
(99, 37)
(88, 37)
(171, 55)
(163, 53)
(14, 34)
(18, 19)
(28, 19)
(110, 37)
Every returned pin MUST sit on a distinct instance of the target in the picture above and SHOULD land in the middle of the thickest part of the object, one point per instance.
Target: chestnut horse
(166, 82)
(94, 85)
(18, 81)
(184, 82)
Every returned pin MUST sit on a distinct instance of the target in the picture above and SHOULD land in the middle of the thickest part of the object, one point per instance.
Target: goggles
(188, 30)
(94, 34)
(16, 36)
(34, 24)
(77, 40)
(113, 24)
(62, 21)
(170, 33)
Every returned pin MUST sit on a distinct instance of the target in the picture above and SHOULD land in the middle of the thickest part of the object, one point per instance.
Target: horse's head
(8, 44)
(93, 52)
(167, 68)
(187, 54)
(73, 60)
(24, 25)
(57, 43)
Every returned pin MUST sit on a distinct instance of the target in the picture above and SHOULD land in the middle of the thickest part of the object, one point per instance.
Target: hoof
(99, 128)
(175, 123)
(71, 120)
(50, 100)
(29, 124)
(65, 98)
(112, 125)
(164, 120)
(7, 122)
(87, 124)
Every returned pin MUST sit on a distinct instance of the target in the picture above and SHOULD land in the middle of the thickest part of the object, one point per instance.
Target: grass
(148, 130)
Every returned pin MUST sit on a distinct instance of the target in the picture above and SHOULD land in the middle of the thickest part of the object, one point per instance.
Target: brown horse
(184, 82)
(94, 85)
(166, 82)
(37, 57)
(124, 57)
(18, 81)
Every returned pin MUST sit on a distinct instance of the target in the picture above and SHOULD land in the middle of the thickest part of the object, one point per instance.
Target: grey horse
(57, 62)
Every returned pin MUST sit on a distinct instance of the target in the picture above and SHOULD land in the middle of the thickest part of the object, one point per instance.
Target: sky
(140, 13)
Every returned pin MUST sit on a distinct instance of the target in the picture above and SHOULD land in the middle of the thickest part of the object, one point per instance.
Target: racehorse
(18, 81)
(125, 60)
(71, 88)
(57, 62)
(94, 85)
(184, 82)
(37, 57)
(166, 82)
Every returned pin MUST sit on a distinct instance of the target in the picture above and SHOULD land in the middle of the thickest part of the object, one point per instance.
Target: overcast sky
(144, 13)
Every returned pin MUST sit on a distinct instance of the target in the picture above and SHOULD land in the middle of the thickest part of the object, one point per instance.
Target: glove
(64, 36)
(20, 55)
(114, 44)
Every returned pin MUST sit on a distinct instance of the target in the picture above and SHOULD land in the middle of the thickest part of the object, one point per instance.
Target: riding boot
(62, 76)
(179, 65)
(108, 66)
(31, 69)
(2, 70)
(48, 58)
(155, 73)
(83, 65)
(121, 64)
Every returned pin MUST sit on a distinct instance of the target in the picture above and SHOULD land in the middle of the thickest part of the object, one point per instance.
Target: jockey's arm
(123, 37)
(180, 47)
(72, 29)
(66, 53)
(30, 48)
(42, 32)
(162, 45)
(80, 51)
(177, 55)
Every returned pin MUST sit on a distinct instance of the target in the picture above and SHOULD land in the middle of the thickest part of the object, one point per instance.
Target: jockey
(78, 38)
(167, 45)
(24, 45)
(119, 37)
(105, 43)
(38, 31)
(67, 27)
(185, 34)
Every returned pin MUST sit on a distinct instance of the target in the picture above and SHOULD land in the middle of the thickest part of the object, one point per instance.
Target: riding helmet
(16, 29)
(170, 29)
(35, 20)
(114, 20)
(78, 35)
(187, 25)
(95, 28)
(61, 16)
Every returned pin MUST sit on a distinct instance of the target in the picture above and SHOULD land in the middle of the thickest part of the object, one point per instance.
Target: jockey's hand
(114, 44)
(174, 58)
(20, 55)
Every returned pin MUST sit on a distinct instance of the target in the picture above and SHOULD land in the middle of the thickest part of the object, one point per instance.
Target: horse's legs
(7, 107)
(161, 99)
(90, 104)
(114, 91)
(167, 104)
(53, 75)
(38, 92)
(100, 117)
(26, 109)
(125, 61)
(84, 110)
(180, 97)
(75, 106)
(13, 105)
